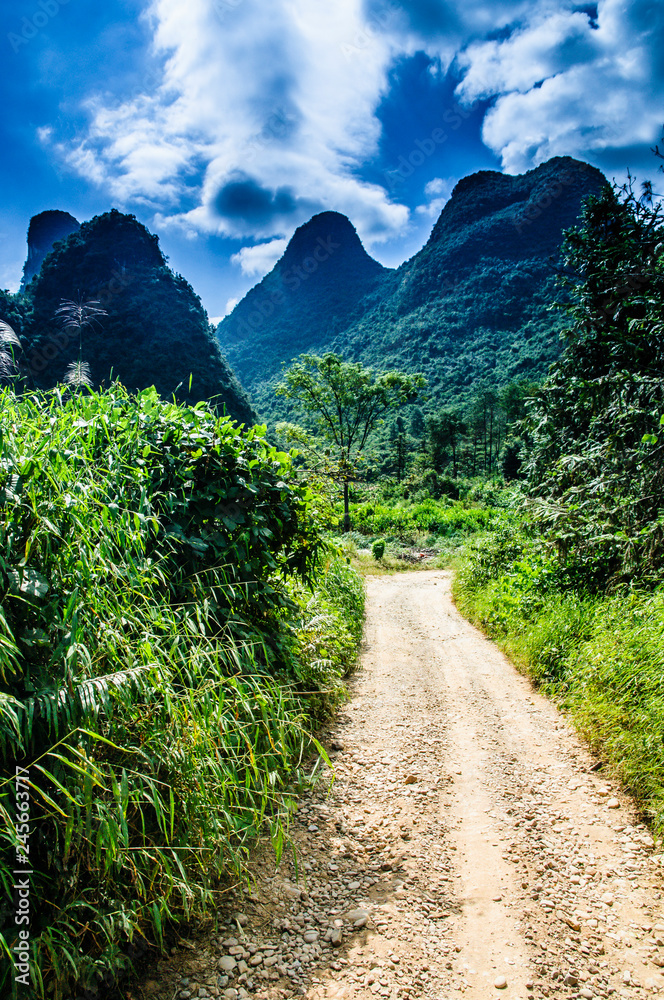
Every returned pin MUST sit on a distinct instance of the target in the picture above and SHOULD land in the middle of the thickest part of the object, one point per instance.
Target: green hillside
(155, 331)
(472, 306)
(315, 292)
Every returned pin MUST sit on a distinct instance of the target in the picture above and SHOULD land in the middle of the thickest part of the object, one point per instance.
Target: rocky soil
(469, 844)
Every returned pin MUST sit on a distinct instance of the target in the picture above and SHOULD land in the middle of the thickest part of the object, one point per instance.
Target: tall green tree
(399, 447)
(417, 427)
(444, 433)
(345, 401)
(595, 467)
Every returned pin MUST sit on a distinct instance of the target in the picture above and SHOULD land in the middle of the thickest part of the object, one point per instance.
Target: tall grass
(155, 677)
(600, 656)
(445, 518)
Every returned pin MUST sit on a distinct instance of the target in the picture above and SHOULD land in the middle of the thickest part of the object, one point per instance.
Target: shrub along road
(468, 844)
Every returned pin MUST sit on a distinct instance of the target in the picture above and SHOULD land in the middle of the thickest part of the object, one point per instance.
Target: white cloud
(568, 88)
(435, 186)
(263, 93)
(541, 49)
(260, 259)
(265, 113)
(438, 191)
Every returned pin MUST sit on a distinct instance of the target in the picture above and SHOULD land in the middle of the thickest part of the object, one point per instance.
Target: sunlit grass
(163, 660)
(601, 657)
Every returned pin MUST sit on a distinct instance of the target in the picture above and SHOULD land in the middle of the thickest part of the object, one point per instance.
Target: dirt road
(467, 845)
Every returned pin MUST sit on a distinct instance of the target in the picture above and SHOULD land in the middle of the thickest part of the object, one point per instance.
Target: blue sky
(224, 124)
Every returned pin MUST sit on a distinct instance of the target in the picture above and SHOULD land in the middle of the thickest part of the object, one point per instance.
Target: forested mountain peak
(328, 233)
(511, 204)
(473, 305)
(493, 217)
(311, 294)
(44, 230)
(154, 331)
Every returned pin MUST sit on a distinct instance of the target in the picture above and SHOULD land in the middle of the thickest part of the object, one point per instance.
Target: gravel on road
(468, 844)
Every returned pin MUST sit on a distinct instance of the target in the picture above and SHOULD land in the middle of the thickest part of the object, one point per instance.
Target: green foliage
(594, 467)
(155, 633)
(445, 430)
(565, 588)
(600, 656)
(430, 516)
(344, 401)
(156, 331)
(378, 549)
(478, 440)
(472, 306)
(13, 310)
(327, 631)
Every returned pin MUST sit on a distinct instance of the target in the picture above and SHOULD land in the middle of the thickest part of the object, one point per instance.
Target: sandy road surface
(467, 845)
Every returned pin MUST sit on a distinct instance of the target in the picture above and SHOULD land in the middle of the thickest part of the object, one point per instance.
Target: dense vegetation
(595, 466)
(407, 521)
(572, 584)
(472, 307)
(173, 623)
(313, 292)
(171, 618)
(432, 454)
(155, 331)
(343, 403)
(45, 229)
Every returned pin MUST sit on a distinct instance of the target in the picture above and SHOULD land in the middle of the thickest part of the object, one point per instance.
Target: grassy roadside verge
(173, 626)
(600, 657)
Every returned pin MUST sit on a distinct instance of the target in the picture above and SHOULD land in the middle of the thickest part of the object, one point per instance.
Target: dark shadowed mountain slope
(474, 304)
(311, 295)
(156, 331)
(44, 230)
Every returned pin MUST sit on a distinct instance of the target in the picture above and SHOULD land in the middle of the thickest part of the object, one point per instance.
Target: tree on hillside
(595, 467)
(399, 447)
(345, 401)
(418, 428)
(444, 433)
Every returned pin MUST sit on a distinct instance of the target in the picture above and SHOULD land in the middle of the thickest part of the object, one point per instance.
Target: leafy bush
(430, 516)
(153, 564)
(594, 468)
(327, 631)
(378, 549)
